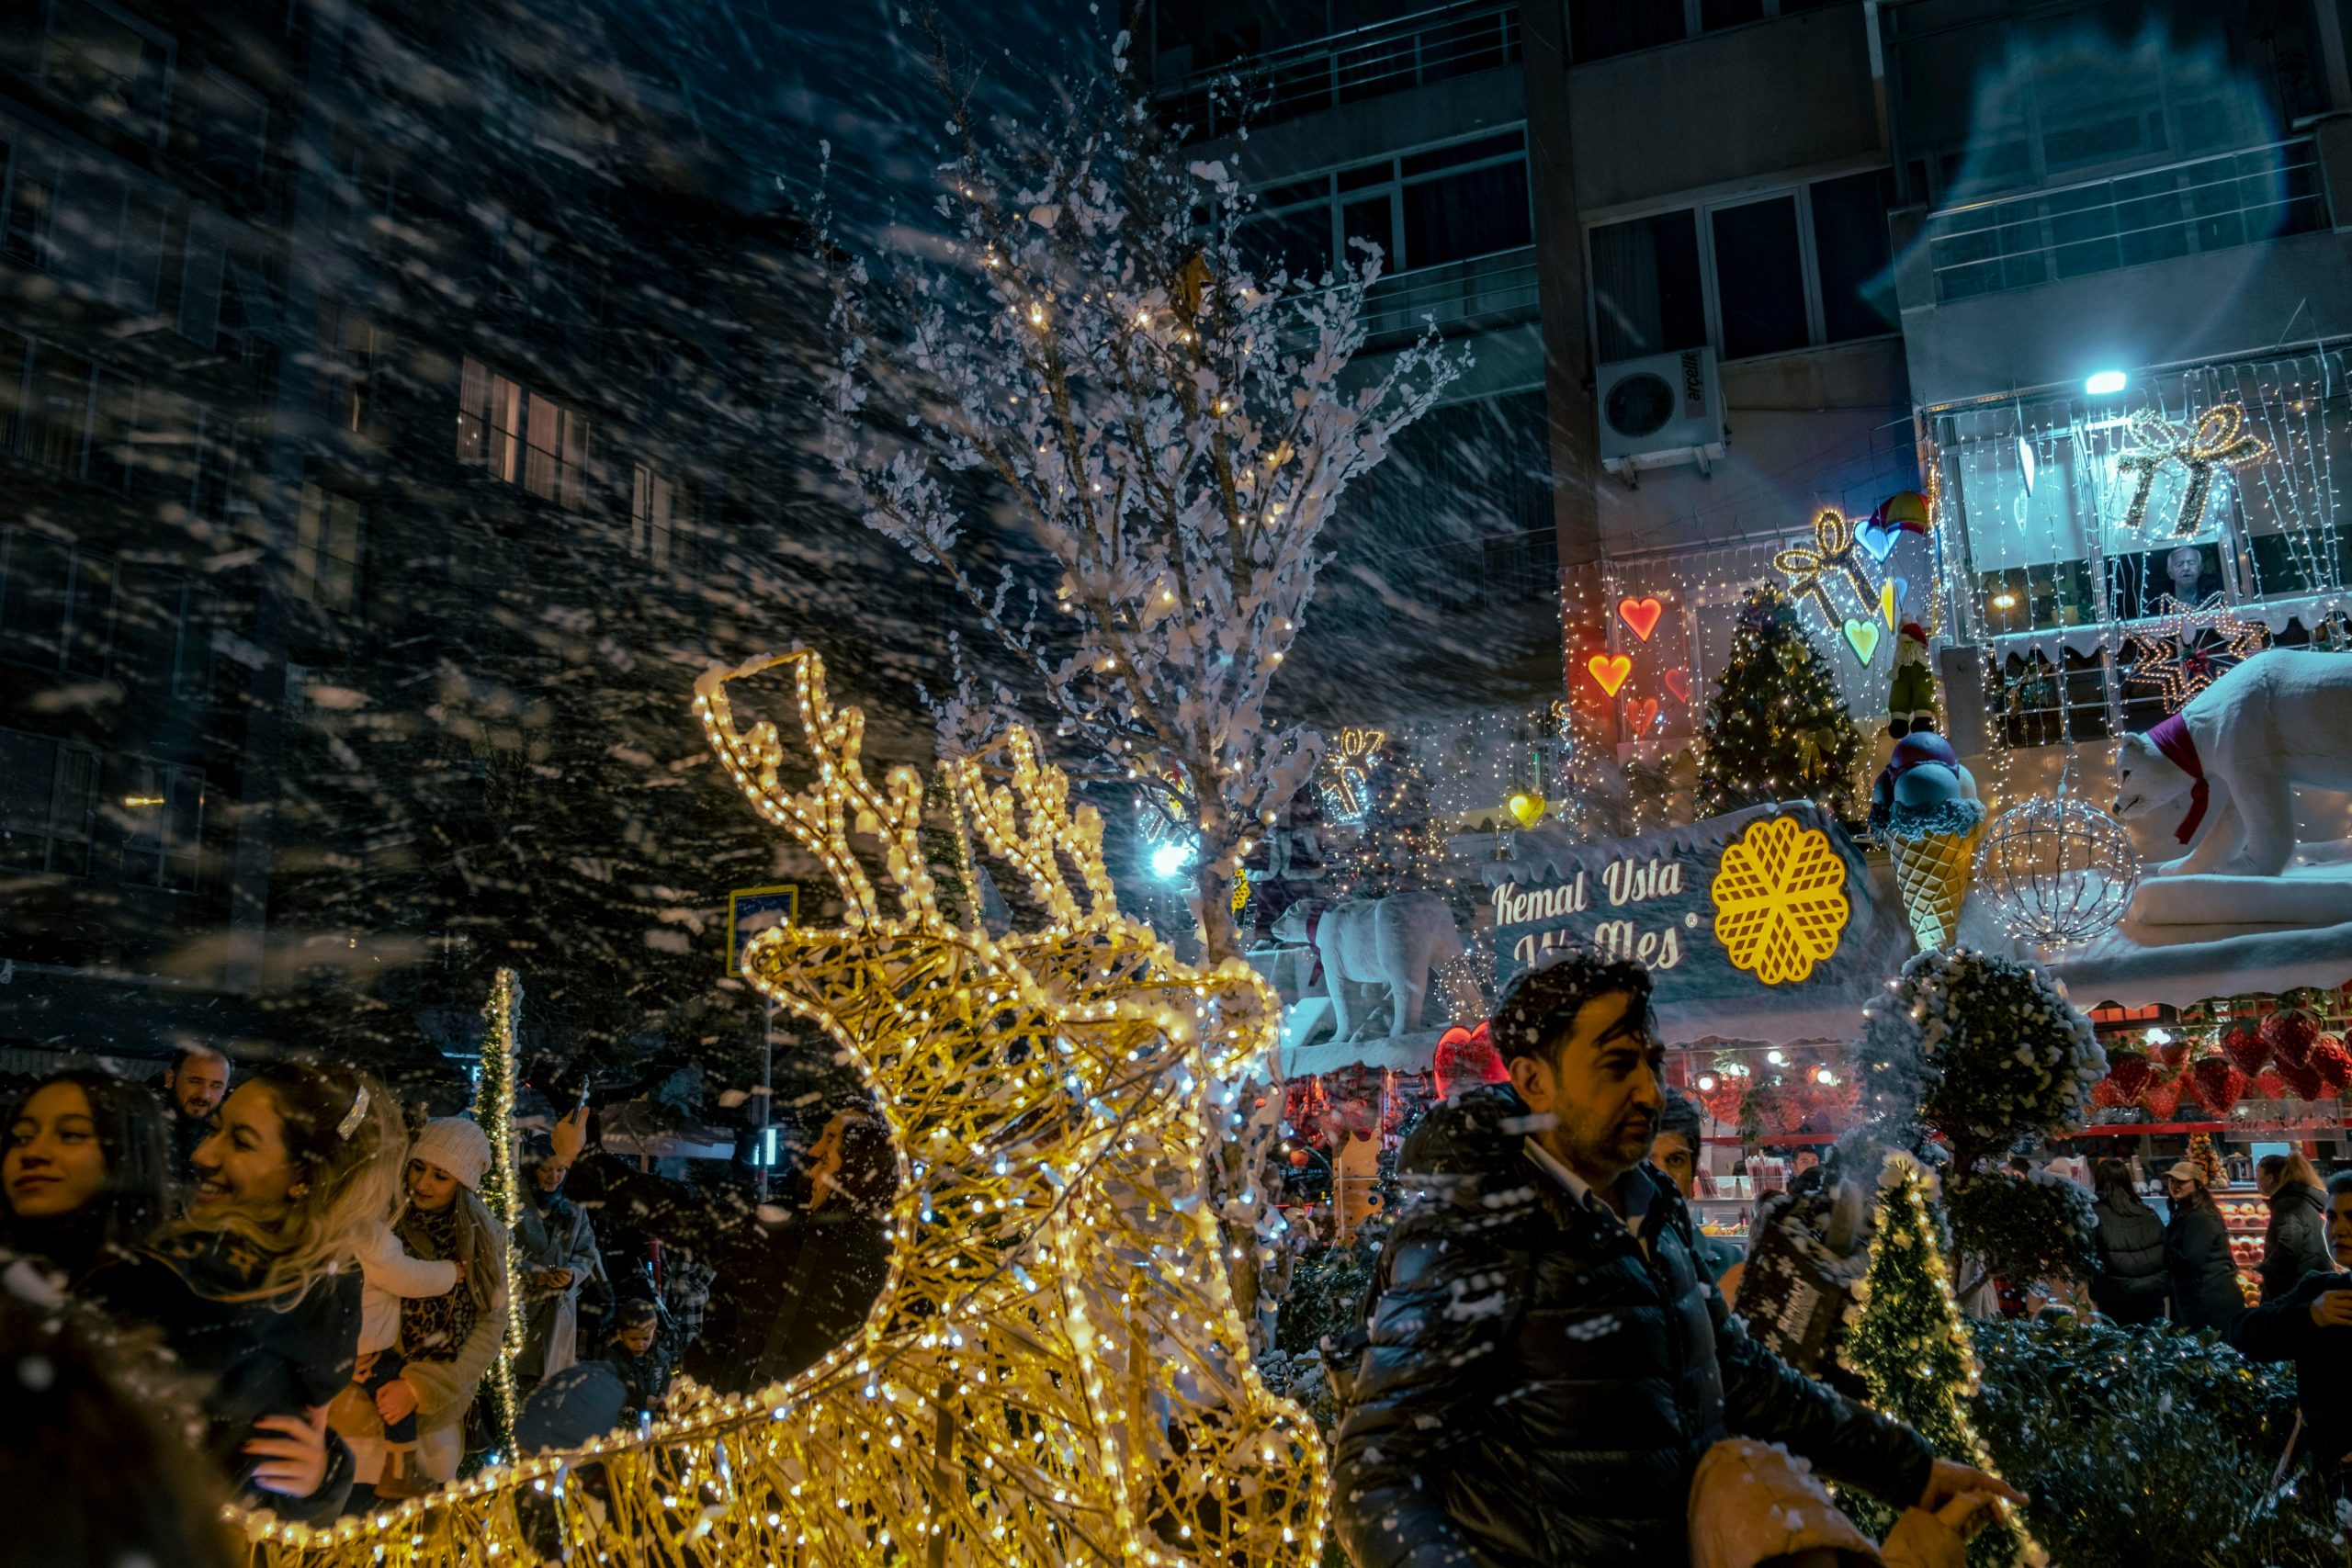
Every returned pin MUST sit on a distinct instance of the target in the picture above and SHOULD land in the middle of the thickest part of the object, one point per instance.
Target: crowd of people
(308, 1283)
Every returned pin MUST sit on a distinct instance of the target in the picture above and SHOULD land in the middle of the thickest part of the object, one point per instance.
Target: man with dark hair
(1548, 1359)
(193, 1087)
(1676, 1150)
(2311, 1325)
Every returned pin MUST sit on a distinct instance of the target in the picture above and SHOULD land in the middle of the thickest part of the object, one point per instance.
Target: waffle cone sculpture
(1932, 872)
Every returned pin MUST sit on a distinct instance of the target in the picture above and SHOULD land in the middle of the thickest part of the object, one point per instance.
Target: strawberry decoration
(2301, 1078)
(2272, 1085)
(2105, 1096)
(2172, 1053)
(2219, 1084)
(2247, 1051)
(2131, 1076)
(1723, 1100)
(2333, 1062)
(2292, 1034)
(2162, 1100)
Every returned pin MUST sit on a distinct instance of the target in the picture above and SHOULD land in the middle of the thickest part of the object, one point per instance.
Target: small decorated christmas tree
(1776, 728)
(1402, 847)
(1908, 1344)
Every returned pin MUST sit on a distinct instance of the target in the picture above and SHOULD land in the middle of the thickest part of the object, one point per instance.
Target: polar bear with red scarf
(2229, 761)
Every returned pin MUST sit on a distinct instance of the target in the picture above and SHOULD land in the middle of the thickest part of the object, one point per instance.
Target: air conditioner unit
(1663, 410)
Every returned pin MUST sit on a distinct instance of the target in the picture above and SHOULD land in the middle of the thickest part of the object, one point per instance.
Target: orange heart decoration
(1640, 715)
(1678, 680)
(1641, 614)
(1609, 670)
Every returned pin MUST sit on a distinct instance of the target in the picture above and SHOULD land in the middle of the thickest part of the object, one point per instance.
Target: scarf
(2172, 738)
(432, 1329)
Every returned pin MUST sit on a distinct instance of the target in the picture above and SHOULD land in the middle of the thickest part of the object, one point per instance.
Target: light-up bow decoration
(1346, 784)
(2218, 440)
(1832, 551)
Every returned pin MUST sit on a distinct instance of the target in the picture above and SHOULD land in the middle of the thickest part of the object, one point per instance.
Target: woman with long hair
(2131, 1285)
(446, 1342)
(83, 1171)
(2295, 1241)
(254, 1289)
(2205, 1291)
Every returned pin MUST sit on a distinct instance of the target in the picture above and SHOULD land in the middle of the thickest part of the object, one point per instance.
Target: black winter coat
(1538, 1391)
(2132, 1285)
(249, 1359)
(2295, 1242)
(2205, 1291)
(2282, 1330)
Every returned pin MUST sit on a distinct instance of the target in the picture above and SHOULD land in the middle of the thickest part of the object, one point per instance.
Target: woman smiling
(82, 1174)
(254, 1290)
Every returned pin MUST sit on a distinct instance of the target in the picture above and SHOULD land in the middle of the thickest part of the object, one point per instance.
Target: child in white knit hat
(392, 1276)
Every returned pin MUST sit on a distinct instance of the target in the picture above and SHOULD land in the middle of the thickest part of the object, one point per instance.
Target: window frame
(1335, 201)
(161, 110)
(1703, 214)
(1693, 26)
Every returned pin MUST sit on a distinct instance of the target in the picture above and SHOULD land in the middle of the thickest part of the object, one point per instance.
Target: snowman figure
(1911, 695)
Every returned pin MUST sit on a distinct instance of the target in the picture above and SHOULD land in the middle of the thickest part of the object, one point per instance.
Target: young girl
(392, 1276)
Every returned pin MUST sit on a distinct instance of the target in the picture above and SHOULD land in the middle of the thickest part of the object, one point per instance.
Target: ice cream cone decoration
(1932, 821)
(1932, 872)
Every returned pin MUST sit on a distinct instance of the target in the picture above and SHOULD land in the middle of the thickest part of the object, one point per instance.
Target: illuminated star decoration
(2202, 643)
(1832, 550)
(2218, 440)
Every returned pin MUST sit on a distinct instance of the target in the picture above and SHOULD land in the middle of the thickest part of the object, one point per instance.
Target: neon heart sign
(1641, 614)
(1609, 670)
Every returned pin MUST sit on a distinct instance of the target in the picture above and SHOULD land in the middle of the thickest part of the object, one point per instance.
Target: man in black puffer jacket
(1546, 1362)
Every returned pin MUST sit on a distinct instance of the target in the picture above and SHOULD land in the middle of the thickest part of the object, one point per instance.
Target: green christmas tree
(1401, 847)
(1910, 1348)
(1776, 728)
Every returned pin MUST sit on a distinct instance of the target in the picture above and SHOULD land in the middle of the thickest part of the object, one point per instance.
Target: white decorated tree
(1089, 348)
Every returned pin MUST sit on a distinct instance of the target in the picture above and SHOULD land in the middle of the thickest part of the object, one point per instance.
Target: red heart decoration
(2131, 1076)
(2292, 1037)
(1641, 614)
(2247, 1051)
(2333, 1062)
(1609, 670)
(2301, 1078)
(1678, 680)
(2219, 1084)
(1640, 715)
(2162, 1100)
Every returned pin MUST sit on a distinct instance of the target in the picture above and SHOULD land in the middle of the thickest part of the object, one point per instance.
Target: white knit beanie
(457, 1145)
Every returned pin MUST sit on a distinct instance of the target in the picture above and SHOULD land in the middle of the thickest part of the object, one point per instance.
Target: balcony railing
(1473, 295)
(1363, 62)
(2210, 204)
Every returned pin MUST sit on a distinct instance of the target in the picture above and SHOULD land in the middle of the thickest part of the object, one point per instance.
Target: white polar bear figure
(2282, 718)
(1392, 943)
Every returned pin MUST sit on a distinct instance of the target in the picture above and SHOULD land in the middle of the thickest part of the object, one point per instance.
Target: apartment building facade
(1788, 257)
(397, 428)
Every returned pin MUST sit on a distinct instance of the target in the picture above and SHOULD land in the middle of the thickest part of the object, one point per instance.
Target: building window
(158, 807)
(1761, 275)
(115, 66)
(60, 406)
(329, 534)
(57, 604)
(1444, 204)
(1647, 290)
(32, 202)
(1600, 29)
(234, 137)
(522, 437)
(46, 803)
(652, 518)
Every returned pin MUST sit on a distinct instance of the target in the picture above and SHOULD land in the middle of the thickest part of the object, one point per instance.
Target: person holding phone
(2311, 1326)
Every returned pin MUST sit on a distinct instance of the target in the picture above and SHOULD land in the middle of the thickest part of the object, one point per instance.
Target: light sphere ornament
(2058, 870)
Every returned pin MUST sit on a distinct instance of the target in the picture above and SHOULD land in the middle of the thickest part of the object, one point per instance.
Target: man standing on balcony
(1547, 1361)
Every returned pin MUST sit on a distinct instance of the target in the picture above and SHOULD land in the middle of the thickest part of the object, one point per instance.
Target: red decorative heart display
(2333, 1062)
(2292, 1037)
(1609, 670)
(2162, 1100)
(2217, 1084)
(1640, 715)
(1678, 680)
(2131, 1076)
(2247, 1051)
(1641, 614)
(2173, 1053)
